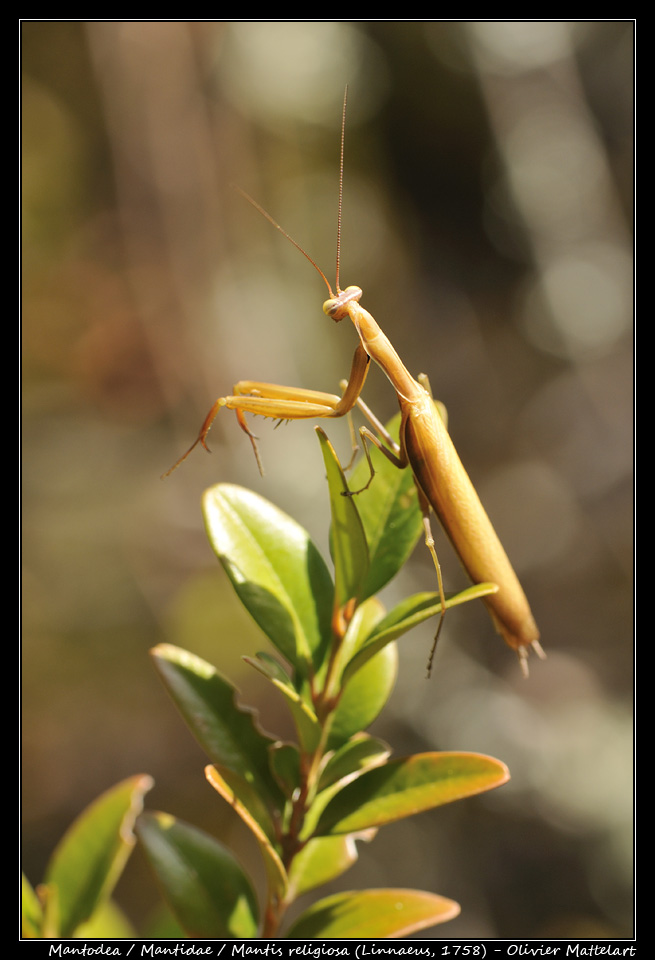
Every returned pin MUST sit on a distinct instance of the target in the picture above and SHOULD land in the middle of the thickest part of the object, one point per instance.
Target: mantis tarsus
(425, 446)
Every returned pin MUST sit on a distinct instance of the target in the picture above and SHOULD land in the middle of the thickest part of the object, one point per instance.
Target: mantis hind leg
(367, 437)
(395, 455)
(391, 451)
(429, 543)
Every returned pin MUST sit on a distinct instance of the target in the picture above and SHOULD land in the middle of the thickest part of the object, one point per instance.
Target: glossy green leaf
(270, 667)
(402, 788)
(347, 538)
(227, 732)
(364, 620)
(200, 879)
(227, 786)
(91, 855)
(321, 860)
(390, 513)
(407, 614)
(352, 759)
(275, 569)
(348, 762)
(372, 915)
(364, 696)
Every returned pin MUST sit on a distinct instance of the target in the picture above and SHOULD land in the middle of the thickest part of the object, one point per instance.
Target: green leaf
(364, 620)
(364, 696)
(320, 860)
(352, 759)
(347, 538)
(348, 762)
(275, 569)
(227, 732)
(407, 614)
(372, 915)
(91, 855)
(226, 785)
(201, 881)
(390, 513)
(401, 788)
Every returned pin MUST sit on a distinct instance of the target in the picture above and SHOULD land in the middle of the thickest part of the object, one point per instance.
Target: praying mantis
(424, 446)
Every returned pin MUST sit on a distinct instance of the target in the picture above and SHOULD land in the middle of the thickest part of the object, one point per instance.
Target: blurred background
(487, 217)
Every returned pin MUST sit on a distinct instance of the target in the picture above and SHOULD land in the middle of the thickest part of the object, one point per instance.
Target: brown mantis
(425, 446)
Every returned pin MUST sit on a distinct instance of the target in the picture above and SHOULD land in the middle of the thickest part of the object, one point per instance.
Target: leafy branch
(307, 803)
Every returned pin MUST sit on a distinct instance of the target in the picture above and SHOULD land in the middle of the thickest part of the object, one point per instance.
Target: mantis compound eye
(331, 308)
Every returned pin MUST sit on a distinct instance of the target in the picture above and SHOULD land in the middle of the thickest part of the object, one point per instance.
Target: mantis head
(337, 307)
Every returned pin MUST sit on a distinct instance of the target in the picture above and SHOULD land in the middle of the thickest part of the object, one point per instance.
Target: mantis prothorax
(424, 445)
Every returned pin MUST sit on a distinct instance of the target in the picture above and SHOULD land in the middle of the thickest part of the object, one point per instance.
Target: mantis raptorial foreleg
(283, 403)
